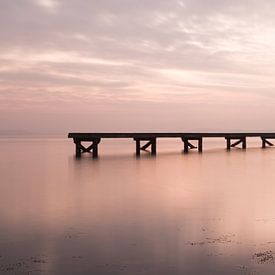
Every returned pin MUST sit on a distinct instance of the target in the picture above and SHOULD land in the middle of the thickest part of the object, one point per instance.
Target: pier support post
(77, 148)
(188, 145)
(200, 145)
(137, 147)
(266, 142)
(228, 143)
(240, 140)
(151, 142)
(244, 143)
(154, 146)
(80, 148)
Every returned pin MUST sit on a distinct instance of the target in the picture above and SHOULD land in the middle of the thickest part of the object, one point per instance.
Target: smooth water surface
(209, 213)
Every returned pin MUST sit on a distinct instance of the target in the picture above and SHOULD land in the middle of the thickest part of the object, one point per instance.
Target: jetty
(148, 141)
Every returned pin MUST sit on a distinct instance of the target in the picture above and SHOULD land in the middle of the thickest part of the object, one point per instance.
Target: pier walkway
(146, 141)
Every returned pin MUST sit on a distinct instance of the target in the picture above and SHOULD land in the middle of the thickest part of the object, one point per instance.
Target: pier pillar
(137, 147)
(266, 142)
(200, 145)
(244, 142)
(240, 140)
(188, 145)
(228, 143)
(151, 142)
(92, 148)
(77, 148)
(154, 146)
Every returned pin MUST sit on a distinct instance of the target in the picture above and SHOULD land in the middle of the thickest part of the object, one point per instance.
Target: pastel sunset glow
(137, 65)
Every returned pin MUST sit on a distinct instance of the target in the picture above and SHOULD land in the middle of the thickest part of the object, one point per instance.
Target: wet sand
(210, 213)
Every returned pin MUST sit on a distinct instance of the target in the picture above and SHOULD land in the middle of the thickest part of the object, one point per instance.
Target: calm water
(210, 213)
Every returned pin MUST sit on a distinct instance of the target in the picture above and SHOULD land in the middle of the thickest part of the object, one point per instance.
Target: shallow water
(210, 213)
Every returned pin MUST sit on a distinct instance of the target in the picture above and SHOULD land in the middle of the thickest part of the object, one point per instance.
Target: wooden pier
(146, 141)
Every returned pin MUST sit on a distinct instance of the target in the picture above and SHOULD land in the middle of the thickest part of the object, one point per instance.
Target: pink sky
(137, 65)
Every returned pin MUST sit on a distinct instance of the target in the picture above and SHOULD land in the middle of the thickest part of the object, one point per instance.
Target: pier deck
(149, 140)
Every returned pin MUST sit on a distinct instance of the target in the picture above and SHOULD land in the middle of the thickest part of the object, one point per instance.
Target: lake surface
(209, 213)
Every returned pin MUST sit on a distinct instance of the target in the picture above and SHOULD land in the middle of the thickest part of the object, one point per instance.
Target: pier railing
(145, 141)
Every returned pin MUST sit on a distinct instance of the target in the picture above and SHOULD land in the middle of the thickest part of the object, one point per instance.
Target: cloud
(50, 5)
(187, 51)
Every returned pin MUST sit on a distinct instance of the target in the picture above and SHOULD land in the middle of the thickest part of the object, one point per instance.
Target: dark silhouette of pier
(146, 141)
